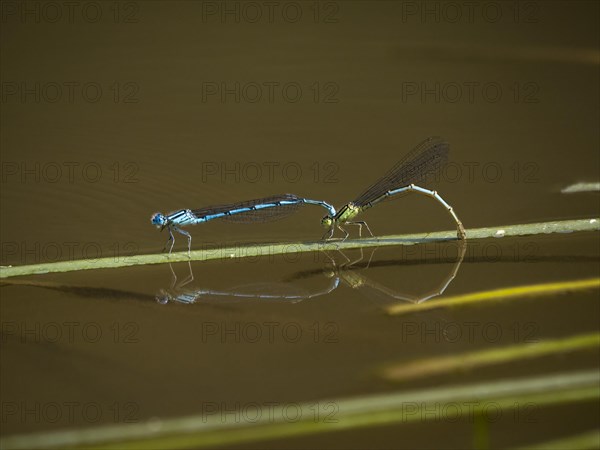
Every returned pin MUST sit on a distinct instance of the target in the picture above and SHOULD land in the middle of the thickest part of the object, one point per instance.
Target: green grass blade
(353, 413)
(566, 226)
(512, 292)
(472, 360)
(581, 187)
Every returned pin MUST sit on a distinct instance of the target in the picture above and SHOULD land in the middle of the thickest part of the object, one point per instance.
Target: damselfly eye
(326, 222)
(162, 297)
(158, 219)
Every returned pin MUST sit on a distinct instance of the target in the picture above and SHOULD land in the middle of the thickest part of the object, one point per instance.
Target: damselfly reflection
(350, 273)
(178, 292)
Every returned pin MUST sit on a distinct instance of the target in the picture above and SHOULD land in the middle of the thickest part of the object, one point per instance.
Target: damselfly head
(159, 220)
(326, 222)
(162, 297)
(329, 273)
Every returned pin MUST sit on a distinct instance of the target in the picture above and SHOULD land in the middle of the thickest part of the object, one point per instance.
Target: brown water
(154, 107)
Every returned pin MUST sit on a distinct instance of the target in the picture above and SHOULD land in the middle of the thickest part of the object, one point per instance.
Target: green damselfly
(418, 166)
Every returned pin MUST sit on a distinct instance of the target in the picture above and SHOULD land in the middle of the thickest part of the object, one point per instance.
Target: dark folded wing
(417, 167)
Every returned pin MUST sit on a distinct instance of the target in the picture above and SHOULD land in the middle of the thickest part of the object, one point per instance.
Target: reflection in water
(349, 273)
(346, 273)
(356, 280)
(79, 291)
(264, 291)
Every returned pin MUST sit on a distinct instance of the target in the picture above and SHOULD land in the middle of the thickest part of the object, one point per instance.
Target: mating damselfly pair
(418, 166)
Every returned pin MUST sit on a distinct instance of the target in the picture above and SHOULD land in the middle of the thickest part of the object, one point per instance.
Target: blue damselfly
(250, 211)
